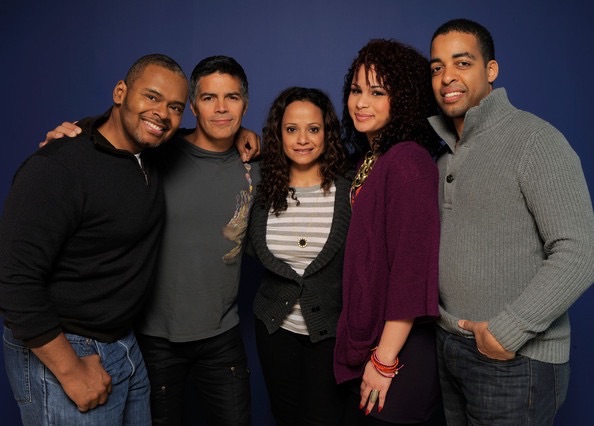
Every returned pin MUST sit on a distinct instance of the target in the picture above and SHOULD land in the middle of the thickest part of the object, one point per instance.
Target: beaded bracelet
(383, 369)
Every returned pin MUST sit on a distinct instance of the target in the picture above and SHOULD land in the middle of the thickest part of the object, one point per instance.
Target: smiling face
(302, 131)
(368, 103)
(460, 76)
(219, 108)
(150, 109)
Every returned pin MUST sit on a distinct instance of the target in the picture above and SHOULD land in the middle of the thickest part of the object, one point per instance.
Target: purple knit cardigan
(391, 259)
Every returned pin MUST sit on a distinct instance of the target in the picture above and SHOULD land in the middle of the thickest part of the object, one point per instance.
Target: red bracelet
(384, 369)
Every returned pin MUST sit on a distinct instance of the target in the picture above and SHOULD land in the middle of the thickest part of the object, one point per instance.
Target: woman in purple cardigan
(385, 345)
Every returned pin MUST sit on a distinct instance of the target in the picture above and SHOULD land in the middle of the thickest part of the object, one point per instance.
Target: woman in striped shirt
(297, 231)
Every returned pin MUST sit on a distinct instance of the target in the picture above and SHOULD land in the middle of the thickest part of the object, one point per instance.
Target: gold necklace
(302, 239)
(362, 173)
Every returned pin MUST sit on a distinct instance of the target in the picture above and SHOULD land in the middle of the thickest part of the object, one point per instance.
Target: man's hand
(88, 385)
(485, 341)
(64, 129)
(84, 380)
(247, 143)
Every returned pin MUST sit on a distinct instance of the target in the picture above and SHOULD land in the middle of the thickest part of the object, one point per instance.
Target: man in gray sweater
(517, 242)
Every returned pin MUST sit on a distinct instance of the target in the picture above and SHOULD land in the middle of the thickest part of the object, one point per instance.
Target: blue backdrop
(61, 60)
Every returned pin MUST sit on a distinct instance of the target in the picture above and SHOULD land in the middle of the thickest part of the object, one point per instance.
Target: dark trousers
(217, 367)
(356, 417)
(299, 377)
(481, 391)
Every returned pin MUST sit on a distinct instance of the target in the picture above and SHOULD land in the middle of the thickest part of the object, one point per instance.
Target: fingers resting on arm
(65, 129)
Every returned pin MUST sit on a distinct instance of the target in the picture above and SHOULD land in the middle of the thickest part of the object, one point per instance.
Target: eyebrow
(377, 86)
(225, 94)
(455, 56)
(179, 103)
(153, 91)
(156, 92)
(294, 124)
(464, 55)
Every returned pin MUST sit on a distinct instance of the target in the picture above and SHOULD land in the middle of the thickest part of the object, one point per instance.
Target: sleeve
(412, 235)
(556, 194)
(41, 211)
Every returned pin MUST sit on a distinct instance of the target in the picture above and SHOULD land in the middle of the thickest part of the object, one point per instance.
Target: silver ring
(373, 395)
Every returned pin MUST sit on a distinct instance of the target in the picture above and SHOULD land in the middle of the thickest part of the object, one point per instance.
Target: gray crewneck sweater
(207, 197)
(517, 229)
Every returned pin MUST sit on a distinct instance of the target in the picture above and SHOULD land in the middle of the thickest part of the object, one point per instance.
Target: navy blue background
(61, 60)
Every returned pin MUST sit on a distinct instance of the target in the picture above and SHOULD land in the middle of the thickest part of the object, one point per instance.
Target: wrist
(387, 358)
(389, 369)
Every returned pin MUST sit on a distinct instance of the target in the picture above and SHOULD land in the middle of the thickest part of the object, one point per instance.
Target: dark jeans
(216, 366)
(299, 378)
(477, 390)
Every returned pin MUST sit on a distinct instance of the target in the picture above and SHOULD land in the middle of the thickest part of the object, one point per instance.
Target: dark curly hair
(274, 188)
(404, 73)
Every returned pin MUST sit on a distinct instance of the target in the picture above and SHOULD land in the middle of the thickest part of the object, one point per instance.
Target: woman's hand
(372, 380)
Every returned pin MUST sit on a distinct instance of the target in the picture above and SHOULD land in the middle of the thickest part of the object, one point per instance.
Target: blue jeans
(480, 391)
(216, 366)
(43, 402)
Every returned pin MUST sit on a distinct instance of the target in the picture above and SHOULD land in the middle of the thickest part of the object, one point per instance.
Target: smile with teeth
(452, 94)
(154, 127)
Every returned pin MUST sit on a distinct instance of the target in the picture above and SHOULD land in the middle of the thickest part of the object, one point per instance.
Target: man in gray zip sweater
(517, 242)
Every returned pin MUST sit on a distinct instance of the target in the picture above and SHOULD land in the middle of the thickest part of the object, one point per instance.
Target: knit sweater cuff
(506, 329)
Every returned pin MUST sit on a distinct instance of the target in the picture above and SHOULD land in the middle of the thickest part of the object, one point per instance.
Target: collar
(478, 119)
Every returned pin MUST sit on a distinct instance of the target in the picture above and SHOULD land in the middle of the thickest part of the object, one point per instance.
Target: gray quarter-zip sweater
(517, 229)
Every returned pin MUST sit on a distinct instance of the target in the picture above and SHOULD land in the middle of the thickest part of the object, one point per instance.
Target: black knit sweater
(78, 240)
(319, 290)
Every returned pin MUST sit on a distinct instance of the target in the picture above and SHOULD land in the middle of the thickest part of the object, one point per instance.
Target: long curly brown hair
(274, 188)
(404, 73)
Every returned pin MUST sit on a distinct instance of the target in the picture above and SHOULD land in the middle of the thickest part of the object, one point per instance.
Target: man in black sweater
(78, 239)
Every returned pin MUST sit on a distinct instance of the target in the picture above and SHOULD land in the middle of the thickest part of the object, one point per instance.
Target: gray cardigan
(319, 290)
(517, 229)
